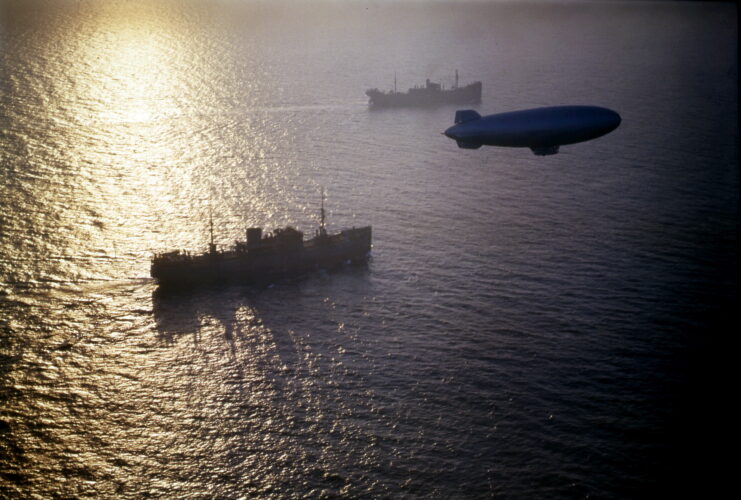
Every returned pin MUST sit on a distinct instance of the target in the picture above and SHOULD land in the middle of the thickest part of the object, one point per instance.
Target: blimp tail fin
(466, 115)
(468, 145)
(545, 151)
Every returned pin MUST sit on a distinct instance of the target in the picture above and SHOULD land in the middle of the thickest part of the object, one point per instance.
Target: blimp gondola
(543, 130)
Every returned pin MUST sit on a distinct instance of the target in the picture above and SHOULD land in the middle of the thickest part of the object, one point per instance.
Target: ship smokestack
(254, 236)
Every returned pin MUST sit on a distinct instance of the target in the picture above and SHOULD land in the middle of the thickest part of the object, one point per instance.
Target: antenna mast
(321, 225)
(211, 246)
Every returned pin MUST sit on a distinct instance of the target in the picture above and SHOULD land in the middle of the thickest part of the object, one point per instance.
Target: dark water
(528, 327)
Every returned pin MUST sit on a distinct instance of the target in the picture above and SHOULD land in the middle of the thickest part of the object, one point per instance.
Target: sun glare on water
(124, 123)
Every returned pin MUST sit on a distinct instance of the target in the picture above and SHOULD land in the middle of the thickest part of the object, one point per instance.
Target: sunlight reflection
(124, 94)
(131, 74)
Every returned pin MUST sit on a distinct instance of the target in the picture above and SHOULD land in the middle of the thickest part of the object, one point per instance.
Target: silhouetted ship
(284, 252)
(430, 94)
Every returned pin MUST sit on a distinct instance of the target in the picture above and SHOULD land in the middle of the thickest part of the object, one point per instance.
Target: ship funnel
(254, 236)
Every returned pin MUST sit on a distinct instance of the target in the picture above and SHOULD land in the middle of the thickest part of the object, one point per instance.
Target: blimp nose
(614, 120)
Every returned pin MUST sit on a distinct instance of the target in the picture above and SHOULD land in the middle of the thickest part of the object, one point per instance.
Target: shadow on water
(279, 307)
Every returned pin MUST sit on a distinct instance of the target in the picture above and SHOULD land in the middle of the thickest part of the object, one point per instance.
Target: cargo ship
(262, 257)
(429, 95)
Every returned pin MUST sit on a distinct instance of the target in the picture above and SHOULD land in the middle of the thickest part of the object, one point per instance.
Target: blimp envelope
(541, 129)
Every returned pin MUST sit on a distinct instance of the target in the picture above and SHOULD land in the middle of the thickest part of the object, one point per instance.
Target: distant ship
(283, 252)
(429, 95)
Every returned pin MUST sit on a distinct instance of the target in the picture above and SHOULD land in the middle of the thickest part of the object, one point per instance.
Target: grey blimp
(541, 129)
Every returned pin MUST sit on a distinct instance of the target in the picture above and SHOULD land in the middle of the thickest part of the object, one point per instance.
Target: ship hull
(260, 264)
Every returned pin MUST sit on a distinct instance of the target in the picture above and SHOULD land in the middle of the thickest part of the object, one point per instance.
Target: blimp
(543, 130)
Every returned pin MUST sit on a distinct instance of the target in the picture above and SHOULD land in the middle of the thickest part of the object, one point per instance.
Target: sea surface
(527, 327)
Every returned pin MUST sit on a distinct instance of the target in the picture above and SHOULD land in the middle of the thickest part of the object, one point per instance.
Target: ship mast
(211, 246)
(456, 78)
(322, 230)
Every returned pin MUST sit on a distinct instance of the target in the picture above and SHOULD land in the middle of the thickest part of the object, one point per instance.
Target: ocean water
(527, 327)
